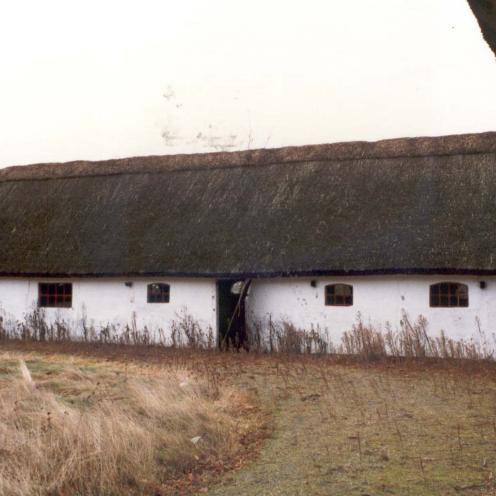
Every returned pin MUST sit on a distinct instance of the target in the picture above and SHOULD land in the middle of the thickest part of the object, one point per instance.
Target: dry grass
(405, 427)
(77, 426)
(341, 425)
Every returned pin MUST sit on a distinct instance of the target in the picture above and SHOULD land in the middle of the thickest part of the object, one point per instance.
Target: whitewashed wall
(110, 301)
(379, 299)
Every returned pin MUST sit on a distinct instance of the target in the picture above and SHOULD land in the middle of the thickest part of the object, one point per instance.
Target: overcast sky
(99, 79)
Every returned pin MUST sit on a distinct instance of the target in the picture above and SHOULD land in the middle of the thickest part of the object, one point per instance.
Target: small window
(55, 294)
(158, 293)
(339, 295)
(449, 294)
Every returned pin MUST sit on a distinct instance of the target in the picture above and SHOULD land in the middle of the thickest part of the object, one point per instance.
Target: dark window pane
(55, 295)
(339, 294)
(158, 293)
(449, 294)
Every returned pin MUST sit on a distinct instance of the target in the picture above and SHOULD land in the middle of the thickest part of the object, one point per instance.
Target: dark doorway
(231, 295)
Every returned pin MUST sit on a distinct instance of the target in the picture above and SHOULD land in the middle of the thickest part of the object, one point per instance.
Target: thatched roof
(408, 205)
(485, 11)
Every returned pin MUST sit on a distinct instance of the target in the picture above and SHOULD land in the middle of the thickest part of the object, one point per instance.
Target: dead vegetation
(409, 339)
(413, 340)
(78, 426)
(386, 412)
(341, 425)
(408, 427)
(185, 331)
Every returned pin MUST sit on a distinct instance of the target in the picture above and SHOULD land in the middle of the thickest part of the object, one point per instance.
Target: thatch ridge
(391, 148)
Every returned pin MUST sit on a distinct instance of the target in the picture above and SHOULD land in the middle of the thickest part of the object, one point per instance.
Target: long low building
(311, 235)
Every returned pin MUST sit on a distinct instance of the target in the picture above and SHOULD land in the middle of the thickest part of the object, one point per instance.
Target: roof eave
(257, 274)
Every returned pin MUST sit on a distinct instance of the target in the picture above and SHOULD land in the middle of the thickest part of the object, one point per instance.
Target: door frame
(233, 305)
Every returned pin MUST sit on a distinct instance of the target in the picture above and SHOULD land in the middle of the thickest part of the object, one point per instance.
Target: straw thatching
(408, 205)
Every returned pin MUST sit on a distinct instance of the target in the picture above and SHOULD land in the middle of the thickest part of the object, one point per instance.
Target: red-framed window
(449, 294)
(55, 294)
(158, 292)
(340, 295)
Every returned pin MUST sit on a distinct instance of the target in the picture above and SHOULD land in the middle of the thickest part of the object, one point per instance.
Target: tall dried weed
(70, 433)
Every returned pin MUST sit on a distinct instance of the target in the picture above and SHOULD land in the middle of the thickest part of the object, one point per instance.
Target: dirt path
(345, 431)
(289, 463)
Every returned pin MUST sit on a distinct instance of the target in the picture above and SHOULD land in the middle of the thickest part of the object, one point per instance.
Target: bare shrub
(108, 334)
(364, 340)
(3, 330)
(187, 331)
(284, 337)
(289, 339)
(35, 327)
(411, 340)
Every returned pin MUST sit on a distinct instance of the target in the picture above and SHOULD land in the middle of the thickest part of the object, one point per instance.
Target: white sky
(114, 78)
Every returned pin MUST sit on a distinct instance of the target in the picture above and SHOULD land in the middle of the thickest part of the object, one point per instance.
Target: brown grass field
(107, 419)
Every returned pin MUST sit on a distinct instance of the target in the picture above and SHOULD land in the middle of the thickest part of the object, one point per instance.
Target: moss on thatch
(408, 205)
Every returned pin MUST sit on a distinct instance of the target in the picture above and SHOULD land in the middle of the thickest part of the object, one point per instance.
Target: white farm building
(318, 234)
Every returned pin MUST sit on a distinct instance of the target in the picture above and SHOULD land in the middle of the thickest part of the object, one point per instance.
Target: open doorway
(231, 296)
